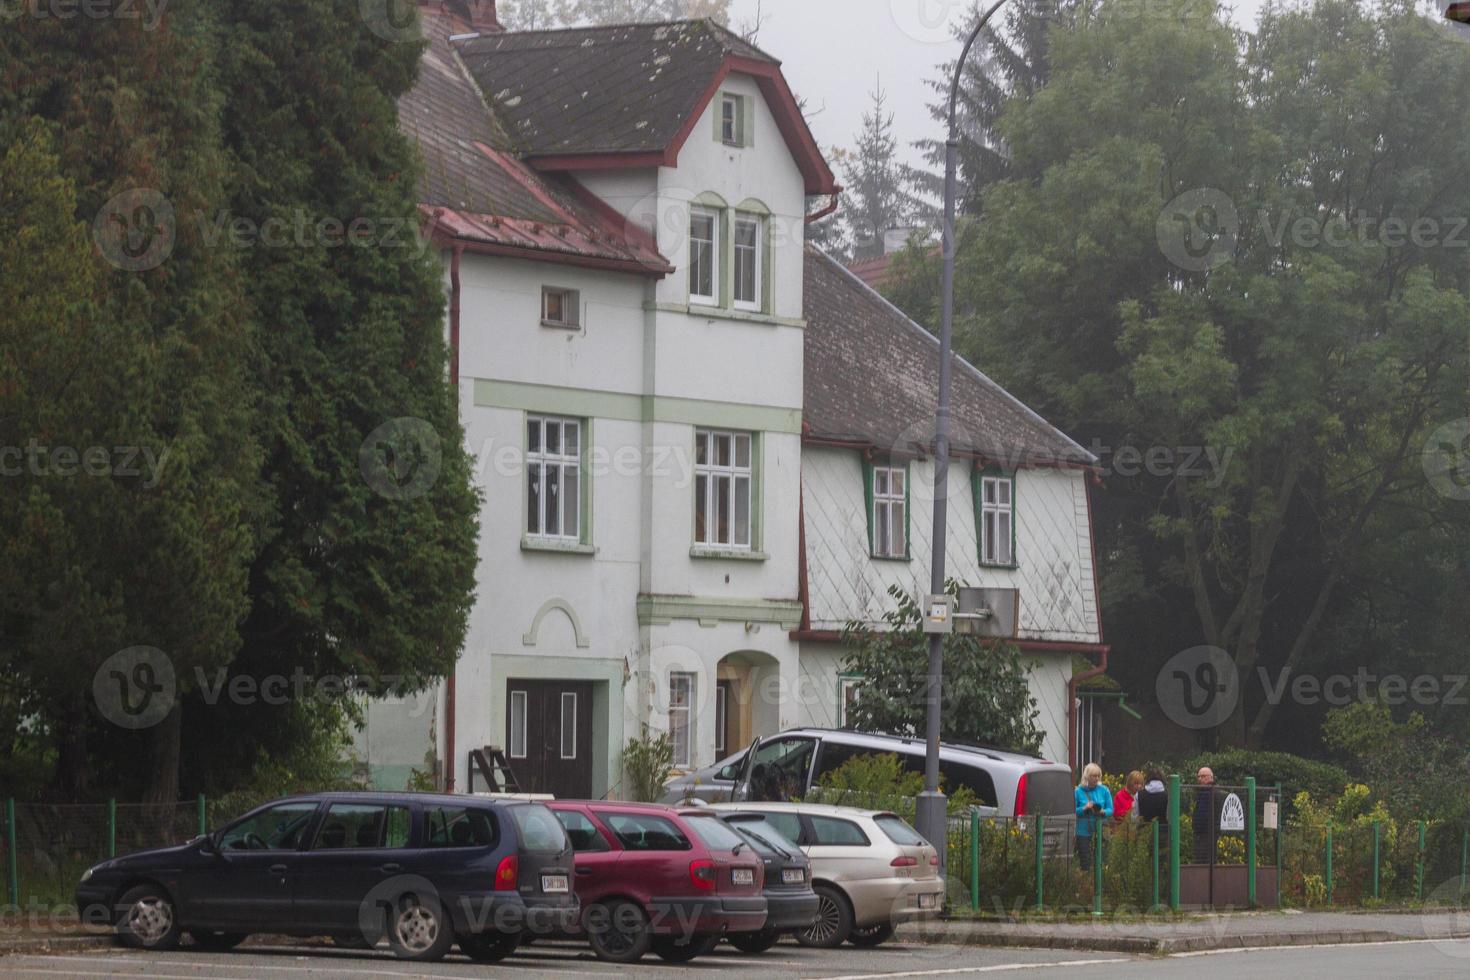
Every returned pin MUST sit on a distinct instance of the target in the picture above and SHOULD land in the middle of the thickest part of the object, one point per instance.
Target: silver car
(870, 869)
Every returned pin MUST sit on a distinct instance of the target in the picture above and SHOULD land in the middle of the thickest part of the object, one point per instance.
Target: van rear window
(457, 826)
(1049, 791)
(540, 830)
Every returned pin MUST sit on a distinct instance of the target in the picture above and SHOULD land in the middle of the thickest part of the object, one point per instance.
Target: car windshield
(713, 833)
(897, 831)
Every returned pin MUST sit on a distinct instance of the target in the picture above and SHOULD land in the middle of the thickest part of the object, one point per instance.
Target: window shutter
(977, 496)
(747, 121)
(908, 510)
(767, 305)
(868, 500)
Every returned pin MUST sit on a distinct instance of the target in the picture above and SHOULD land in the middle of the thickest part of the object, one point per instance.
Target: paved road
(1431, 959)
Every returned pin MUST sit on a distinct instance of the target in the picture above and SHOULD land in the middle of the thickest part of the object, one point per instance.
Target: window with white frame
(997, 520)
(681, 718)
(569, 724)
(749, 241)
(553, 478)
(723, 478)
(890, 504)
(848, 691)
(518, 716)
(732, 120)
(704, 256)
(560, 307)
(722, 718)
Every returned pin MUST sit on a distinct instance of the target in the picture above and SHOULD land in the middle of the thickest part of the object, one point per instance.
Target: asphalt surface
(1422, 958)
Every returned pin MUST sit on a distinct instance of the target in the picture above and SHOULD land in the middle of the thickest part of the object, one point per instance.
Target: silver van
(786, 766)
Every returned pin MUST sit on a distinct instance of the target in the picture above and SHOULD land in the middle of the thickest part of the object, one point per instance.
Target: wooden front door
(549, 736)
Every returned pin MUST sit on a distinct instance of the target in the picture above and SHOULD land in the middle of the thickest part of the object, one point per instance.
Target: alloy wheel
(151, 918)
(417, 928)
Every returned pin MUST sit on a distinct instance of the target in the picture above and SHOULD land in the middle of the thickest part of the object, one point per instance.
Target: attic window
(560, 307)
(732, 120)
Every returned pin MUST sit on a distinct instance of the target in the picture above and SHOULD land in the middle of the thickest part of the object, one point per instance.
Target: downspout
(816, 216)
(450, 754)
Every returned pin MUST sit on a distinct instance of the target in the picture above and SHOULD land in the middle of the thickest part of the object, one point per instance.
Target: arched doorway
(747, 700)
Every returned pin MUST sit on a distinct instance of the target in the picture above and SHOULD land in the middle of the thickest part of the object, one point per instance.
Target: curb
(53, 944)
(1168, 945)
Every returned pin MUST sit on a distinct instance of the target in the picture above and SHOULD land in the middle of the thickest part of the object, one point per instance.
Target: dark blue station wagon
(426, 871)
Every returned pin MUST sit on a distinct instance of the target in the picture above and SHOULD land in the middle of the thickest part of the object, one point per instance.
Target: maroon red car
(651, 877)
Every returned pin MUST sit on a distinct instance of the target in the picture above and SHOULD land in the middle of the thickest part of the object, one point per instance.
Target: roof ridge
(873, 294)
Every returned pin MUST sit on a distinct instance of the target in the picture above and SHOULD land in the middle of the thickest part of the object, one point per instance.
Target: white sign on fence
(1232, 814)
(1268, 815)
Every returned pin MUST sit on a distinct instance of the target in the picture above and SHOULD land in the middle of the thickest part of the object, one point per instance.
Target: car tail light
(934, 860)
(508, 875)
(1021, 795)
(702, 874)
(904, 862)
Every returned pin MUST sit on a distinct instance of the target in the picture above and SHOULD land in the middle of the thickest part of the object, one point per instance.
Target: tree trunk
(163, 759)
(73, 765)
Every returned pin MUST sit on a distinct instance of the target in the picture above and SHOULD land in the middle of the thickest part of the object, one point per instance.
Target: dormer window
(732, 120)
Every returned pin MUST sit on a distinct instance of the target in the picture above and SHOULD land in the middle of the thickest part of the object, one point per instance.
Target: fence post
(1464, 863)
(111, 827)
(1040, 869)
(1174, 842)
(1097, 863)
(1419, 867)
(1280, 830)
(1375, 860)
(12, 860)
(1154, 832)
(975, 860)
(1328, 866)
(1250, 841)
(203, 820)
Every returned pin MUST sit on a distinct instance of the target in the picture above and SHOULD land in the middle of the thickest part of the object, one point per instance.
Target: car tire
(419, 930)
(618, 945)
(871, 935)
(147, 918)
(754, 942)
(216, 942)
(489, 947)
(833, 923)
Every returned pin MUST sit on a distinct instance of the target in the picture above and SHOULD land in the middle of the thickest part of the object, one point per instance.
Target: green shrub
(647, 764)
(1293, 773)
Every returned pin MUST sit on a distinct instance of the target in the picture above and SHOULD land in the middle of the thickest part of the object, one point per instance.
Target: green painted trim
(661, 610)
(870, 493)
(977, 493)
(704, 552)
(710, 200)
(585, 404)
(754, 205)
(718, 313)
(547, 607)
(747, 121)
(757, 492)
(727, 260)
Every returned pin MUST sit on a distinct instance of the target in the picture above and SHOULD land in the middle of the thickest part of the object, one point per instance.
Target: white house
(677, 410)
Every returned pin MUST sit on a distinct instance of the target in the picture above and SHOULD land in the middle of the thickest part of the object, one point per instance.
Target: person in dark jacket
(1153, 799)
(1204, 816)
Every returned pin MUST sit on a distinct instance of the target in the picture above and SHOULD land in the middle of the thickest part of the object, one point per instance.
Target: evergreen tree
(365, 570)
(877, 185)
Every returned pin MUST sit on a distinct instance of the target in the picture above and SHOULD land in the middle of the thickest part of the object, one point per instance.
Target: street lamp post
(932, 816)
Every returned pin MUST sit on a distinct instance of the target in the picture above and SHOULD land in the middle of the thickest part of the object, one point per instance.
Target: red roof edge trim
(1030, 646)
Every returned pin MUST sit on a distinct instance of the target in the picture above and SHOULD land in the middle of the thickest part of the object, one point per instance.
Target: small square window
(560, 307)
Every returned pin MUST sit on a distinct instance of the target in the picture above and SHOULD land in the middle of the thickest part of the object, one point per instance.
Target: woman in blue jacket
(1094, 805)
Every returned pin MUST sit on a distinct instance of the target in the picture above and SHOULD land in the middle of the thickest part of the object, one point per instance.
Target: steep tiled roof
(473, 189)
(871, 379)
(622, 89)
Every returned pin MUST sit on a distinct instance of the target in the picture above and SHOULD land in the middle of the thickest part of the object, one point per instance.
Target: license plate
(928, 901)
(743, 876)
(793, 876)
(553, 883)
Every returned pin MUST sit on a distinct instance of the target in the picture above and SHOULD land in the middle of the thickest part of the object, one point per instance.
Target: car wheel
(489, 947)
(419, 930)
(833, 923)
(674, 950)
(147, 918)
(871, 935)
(217, 942)
(618, 932)
(754, 942)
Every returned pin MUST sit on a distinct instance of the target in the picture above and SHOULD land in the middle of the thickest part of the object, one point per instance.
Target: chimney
(897, 239)
(484, 18)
